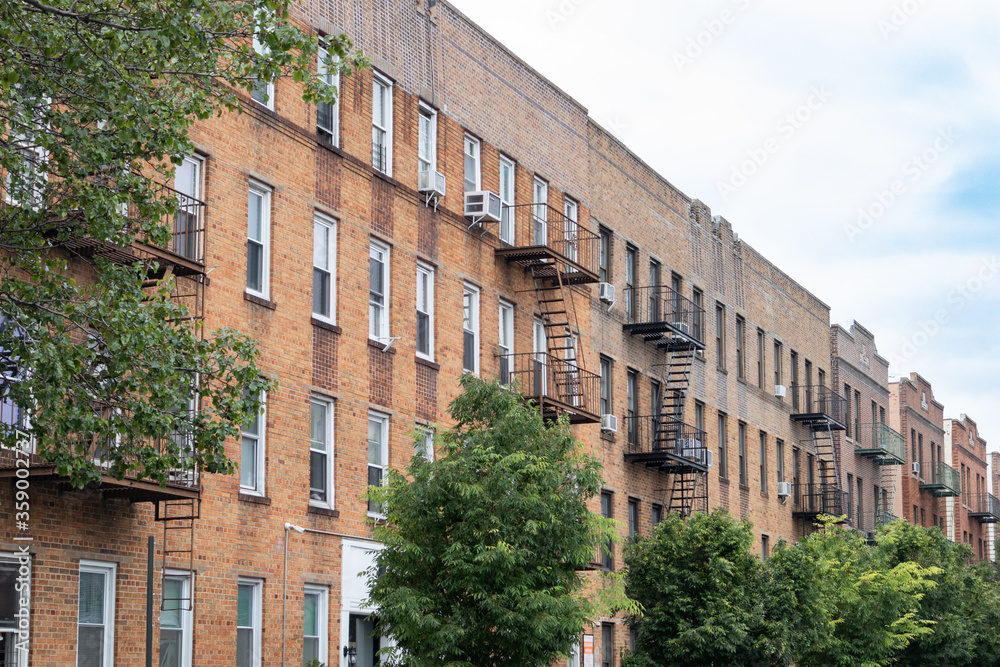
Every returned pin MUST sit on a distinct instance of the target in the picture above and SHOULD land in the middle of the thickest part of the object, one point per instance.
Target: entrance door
(359, 637)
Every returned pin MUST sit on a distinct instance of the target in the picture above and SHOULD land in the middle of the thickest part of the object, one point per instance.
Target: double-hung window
(655, 294)
(378, 291)
(378, 455)
(631, 258)
(723, 447)
(779, 457)
(604, 255)
(252, 453)
(606, 405)
(321, 452)
(315, 614)
(427, 139)
(741, 343)
(327, 114)
(470, 329)
(633, 518)
(424, 443)
(324, 263)
(778, 375)
(720, 336)
(472, 170)
(382, 125)
(698, 316)
(760, 358)
(506, 341)
(249, 621)
(506, 199)
(187, 222)
(425, 311)
(259, 241)
(262, 91)
(571, 212)
(95, 644)
(632, 406)
(763, 462)
(607, 548)
(743, 453)
(175, 621)
(540, 197)
(14, 607)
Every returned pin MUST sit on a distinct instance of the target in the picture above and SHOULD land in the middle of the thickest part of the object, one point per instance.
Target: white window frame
(322, 619)
(330, 255)
(330, 451)
(540, 219)
(539, 345)
(378, 315)
(109, 570)
(257, 488)
(508, 167)
(264, 241)
(262, 50)
(11, 639)
(505, 339)
(185, 611)
(571, 211)
(36, 157)
(256, 615)
(470, 325)
(331, 133)
(383, 450)
(424, 443)
(426, 134)
(425, 294)
(191, 189)
(386, 127)
(472, 149)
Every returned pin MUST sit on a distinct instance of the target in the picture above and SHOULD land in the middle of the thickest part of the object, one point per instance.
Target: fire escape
(823, 411)
(558, 253)
(663, 441)
(887, 449)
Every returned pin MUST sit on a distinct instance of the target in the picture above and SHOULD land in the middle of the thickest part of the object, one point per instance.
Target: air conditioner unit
(690, 448)
(916, 467)
(682, 327)
(609, 423)
(784, 489)
(607, 292)
(432, 182)
(709, 458)
(780, 391)
(482, 205)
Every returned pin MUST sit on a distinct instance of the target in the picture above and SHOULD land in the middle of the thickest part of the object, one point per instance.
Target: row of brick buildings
(344, 239)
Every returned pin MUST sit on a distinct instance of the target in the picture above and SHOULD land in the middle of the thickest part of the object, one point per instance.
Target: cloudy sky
(854, 143)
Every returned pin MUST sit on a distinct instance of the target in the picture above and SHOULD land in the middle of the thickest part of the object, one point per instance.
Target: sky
(854, 143)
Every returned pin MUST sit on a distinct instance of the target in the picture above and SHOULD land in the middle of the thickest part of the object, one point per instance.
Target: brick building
(971, 512)
(341, 239)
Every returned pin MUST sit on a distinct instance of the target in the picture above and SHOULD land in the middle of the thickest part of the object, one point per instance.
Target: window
(760, 358)
(847, 421)
(381, 125)
(604, 255)
(699, 313)
(606, 392)
(631, 257)
(252, 453)
(472, 170)
(506, 341)
(321, 452)
(11, 607)
(656, 398)
(328, 115)
(765, 547)
(741, 356)
(25, 182)
(778, 379)
(95, 643)
(923, 516)
(763, 462)
(248, 622)
(795, 473)
(571, 211)
(860, 504)
(720, 336)
(176, 621)
(506, 199)
(850, 497)
(573, 660)
(723, 448)
(187, 223)
(607, 645)
(259, 241)
(607, 511)
(324, 253)
(470, 329)
(633, 518)
(632, 406)
(315, 603)
(427, 140)
(540, 194)
(378, 454)
(699, 418)
(425, 311)
(424, 443)
(795, 379)
(378, 291)
(657, 514)
(743, 453)
(262, 91)
(857, 411)
(677, 306)
(654, 293)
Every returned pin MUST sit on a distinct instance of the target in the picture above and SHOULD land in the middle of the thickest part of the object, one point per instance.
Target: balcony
(537, 234)
(881, 444)
(985, 507)
(668, 445)
(943, 481)
(818, 407)
(665, 316)
(811, 500)
(558, 386)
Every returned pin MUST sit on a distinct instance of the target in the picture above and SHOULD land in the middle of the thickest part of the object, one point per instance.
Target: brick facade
(969, 511)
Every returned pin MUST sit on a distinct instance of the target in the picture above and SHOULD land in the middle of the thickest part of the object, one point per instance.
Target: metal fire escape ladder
(689, 486)
(558, 315)
(887, 484)
(829, 470)
(178, 518)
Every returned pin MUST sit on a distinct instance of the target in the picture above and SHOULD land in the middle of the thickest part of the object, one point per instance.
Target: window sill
(325, 325)
(253, 499)
(381, 346)
(260, 301)
(323, 511)
(744, 487)
(327, 143)
(724, 480)
(427, 362)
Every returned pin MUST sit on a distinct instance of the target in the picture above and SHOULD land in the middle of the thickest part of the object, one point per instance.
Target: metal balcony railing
(539, 233)
(942, 481)
(880, 443)
(653, 311)
(809, 500)
(557, 385)
(661, 442)
(817, 406)
(985, 507)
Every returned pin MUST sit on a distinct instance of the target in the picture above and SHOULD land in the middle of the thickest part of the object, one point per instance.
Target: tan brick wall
(968, 457)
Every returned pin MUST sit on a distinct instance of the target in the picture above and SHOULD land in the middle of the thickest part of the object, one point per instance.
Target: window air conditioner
(709, 459)
(431, 182)
(780, 391)
(607, 292)
(784, 489)
(682, 327)
(609, 423)
(690, 448)
(916, 467)
(482, 205)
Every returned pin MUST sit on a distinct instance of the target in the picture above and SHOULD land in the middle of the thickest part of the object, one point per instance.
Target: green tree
(484, 547)
(96, 100)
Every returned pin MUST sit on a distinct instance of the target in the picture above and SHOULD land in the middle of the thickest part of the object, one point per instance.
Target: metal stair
(178, 518)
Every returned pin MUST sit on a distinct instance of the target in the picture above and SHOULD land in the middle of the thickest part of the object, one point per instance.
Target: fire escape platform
(135, 491)
(574, 273)
(672, 447)
(985, 509)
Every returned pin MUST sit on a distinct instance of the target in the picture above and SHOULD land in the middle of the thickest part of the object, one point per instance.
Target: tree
(484, 547)
(96, 100)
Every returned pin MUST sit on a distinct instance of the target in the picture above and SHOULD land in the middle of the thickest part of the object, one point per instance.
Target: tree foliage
(96, 101)
(484, 547)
